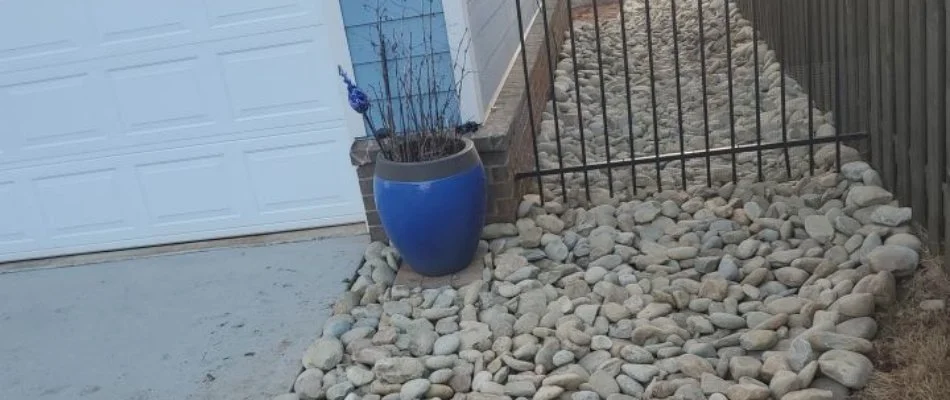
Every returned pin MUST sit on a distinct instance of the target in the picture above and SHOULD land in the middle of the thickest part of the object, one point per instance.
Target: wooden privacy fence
(881, 66)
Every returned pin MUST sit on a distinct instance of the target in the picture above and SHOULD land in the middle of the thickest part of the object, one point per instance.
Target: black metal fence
(647, 95)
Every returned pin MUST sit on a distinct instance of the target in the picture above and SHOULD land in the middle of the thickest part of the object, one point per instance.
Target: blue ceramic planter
(433, 211)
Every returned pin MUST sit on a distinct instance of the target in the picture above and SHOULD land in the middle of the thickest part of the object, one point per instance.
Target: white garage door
(137, 122)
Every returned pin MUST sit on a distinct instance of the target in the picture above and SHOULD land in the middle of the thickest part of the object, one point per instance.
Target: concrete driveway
(219, 324)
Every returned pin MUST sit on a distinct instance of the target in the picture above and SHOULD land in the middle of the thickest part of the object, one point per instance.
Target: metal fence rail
(650, 95)
(656, 94)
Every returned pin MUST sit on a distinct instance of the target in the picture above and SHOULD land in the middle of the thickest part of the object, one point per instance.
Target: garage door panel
(278, 76)
(51, 109)
(82, 203)
(228, 13)
(188, 190)
(14, 215)
(178, 97)
(314, 156)
(63, 31)
(131, 21)
(318, 190)
(68, 31)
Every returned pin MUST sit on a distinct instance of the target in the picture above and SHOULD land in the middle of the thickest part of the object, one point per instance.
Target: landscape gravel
(783, 316)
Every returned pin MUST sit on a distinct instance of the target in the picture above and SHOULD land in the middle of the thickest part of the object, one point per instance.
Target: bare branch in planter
(428, 122)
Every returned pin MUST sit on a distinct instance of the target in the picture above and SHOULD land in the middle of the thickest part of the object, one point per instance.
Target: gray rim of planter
(462, 161)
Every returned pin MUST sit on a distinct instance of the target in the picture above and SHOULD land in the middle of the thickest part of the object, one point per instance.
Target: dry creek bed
(755, 291)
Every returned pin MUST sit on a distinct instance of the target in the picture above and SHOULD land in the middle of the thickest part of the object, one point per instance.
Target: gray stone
(774, 363)
(520, 389)
(325, 354)
(855, 305)
(807, 374)
(437, 391)
(506, 264)
(744, 366)
(727, 321)
(568, 381)
(585, 395)
(840, 392)
(819, 228)
(604, 383)
(863, 196)
(904, 239)
(641, 372)
(784, 382)
(822, 341)
(711, 383)
(636, 354)
(615, 312)
(656, 310)
(445, 345)
(309, 384)
(705, 350)
(533, 301)
(891, 216)
(337, 325)
(414, 389)
(556, 250)
(705, 265)
(646, 212)
(550, 223)
(714, 288)
(800, 353)
(594, 274)
(563, 357)
(461, 381)
(785, 305)
(526, 323)
(398, 369)
(421, 342)
(629, 386)
(847, 368)
(758, 340)
(728, 269)
(600, 342)
(441, 376)
(359, 375)
(496, 231)
(548, 393)
(339, 390)
(747, 391)
(899, 260)
(593, 360)
(810, 394)
(694, 366)
(785, 257)
(682, 253)
(864, 327)
(791, 276)
(855, 170)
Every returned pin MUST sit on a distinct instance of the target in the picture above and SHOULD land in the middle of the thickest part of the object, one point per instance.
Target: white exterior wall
(484, 33)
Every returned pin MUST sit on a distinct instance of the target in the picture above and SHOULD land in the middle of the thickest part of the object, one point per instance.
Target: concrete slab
(407, 277)
(218, 324)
